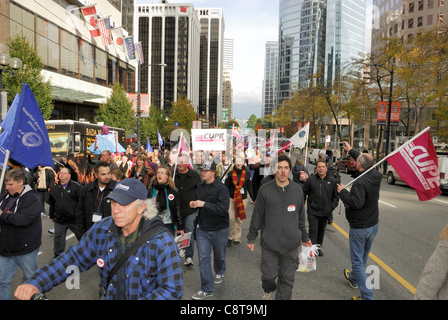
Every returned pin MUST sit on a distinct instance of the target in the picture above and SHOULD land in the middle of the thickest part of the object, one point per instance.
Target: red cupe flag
(416, 163)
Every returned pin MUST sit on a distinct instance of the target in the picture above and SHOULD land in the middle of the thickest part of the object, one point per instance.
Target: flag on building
(118, 38)
(91, 17)
(416, 163)
(105, 30)
(301, 137)
(139, 52)
(130, 49)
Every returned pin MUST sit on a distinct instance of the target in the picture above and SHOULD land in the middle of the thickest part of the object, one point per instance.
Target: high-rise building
(316, 37)
(211, 63)
(169, 34)
(404, 18)
(269, 99)
(227, 91)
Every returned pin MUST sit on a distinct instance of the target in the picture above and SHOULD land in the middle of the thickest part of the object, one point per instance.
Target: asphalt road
(408, 233)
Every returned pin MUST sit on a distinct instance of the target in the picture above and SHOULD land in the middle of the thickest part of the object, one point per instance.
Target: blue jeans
(360, 244)
(189, 227)
(206, 240)
(9, 267)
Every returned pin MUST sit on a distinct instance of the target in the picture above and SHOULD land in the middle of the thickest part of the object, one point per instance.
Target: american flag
(105, 31)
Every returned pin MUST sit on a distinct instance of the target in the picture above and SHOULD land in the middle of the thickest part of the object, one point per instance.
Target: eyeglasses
(162, 173)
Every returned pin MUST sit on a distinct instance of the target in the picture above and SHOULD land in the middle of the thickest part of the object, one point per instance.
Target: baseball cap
(127, 191)
(209, 165)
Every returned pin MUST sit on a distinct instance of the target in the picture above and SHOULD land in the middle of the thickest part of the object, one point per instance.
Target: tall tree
(182, 111)
(117, 111)
(32, 65)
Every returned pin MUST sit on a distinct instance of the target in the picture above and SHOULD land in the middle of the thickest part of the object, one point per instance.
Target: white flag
(117, 36)
(301, 138)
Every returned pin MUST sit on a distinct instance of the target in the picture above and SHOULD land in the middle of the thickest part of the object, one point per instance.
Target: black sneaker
(347, 276)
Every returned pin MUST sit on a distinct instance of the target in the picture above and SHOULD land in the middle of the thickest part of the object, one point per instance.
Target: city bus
(70, 139)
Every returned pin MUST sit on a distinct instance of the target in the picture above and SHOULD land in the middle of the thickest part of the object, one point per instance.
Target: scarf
(161, 195)
(237, 197)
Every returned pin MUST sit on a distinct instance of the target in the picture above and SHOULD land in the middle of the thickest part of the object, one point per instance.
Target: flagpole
(177, 159)
(389, 155)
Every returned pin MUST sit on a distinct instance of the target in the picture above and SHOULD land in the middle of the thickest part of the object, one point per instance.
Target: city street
(408, 234)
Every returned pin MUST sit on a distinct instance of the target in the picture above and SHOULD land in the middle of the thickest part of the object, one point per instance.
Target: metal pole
(389, 111)
(138, 108)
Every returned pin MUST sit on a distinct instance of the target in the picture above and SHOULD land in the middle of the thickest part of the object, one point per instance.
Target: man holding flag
(361, 211)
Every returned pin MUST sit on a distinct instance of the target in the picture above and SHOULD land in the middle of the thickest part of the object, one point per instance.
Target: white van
(314, 155)
(443, 170)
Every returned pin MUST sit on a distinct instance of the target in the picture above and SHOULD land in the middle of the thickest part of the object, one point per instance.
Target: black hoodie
(20, 223)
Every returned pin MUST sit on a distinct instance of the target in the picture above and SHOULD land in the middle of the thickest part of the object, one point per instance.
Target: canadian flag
(416, 163)
(91, 20)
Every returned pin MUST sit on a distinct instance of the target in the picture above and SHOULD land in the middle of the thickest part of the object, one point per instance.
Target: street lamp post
(140, 68)
(389, 111)
(13, 63)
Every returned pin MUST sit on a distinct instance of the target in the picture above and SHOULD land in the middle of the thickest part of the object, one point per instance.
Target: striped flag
(91, 17)
(139, 51)
(106, 36)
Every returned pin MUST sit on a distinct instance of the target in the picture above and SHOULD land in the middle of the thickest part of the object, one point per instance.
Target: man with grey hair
(361, 211)
(153, 272)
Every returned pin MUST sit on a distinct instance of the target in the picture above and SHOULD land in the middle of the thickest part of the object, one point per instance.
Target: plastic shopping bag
(307, 258)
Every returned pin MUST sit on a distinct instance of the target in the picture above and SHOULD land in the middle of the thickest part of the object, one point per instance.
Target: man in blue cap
(154, 272)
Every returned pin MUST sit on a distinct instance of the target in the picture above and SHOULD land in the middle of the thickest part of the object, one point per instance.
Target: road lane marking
(388, 204)
(389, 270)
(441, 201)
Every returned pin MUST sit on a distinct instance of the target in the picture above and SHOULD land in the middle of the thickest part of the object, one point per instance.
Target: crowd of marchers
(127, 219)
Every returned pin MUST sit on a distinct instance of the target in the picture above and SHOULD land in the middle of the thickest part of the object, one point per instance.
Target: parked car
(442, 157)
(392, 175)
(443, 170)
(347, 164)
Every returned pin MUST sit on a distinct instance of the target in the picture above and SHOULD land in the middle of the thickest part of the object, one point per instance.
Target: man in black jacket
(186, 181)
(321, 189)
(93, 205)
(20, 231)
(63, 201)
(361, 210)
(212, 228)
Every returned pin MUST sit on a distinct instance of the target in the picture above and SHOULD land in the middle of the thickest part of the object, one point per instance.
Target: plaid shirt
(153, 273)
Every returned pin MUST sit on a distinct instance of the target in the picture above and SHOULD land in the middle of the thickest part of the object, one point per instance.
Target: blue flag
(129, 44)
(29, 143)
(148, 145)
(7, 123)
(160, 138)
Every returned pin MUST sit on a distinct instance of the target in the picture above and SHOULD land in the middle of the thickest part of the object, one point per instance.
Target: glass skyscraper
(317, 37)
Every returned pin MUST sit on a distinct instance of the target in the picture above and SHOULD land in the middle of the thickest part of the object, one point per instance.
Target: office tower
(270, 78)
(227, 93)
(169, 34)
(404, 18)
(211, 63)
(317, 37)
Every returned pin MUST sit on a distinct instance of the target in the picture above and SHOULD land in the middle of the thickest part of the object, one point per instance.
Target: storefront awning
(72, 95)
